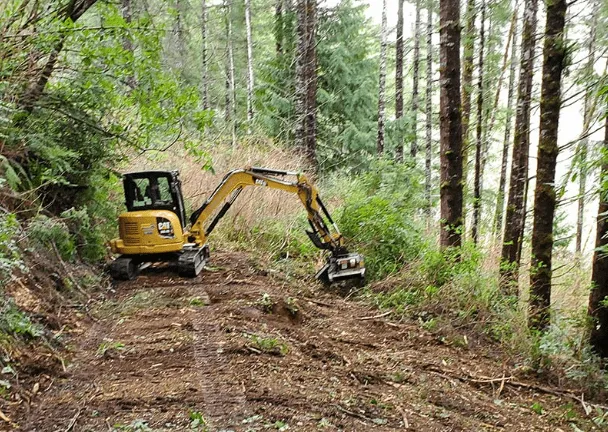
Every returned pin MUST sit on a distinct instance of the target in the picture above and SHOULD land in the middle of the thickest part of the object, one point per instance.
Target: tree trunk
(278, 29)
(511, 37)
(429, 112)
(306, 80)
(479, 130)
(250, 81)
(399, 80)
(515, 213)
(415, 80)
(450, 124)
(466, 92)
(598, 309)
(311, 94)
(500, 199)
(74, 10)
(182, 61)
(382, 82)
(230, 75)
(301, 83)
(544, 195)
(205, 63)
(127, 41)
(584, 143)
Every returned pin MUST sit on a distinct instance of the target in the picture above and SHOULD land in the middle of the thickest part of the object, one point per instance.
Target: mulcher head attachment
(348, 267)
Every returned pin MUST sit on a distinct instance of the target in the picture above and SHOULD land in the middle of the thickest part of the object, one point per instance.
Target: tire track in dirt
(222, 395)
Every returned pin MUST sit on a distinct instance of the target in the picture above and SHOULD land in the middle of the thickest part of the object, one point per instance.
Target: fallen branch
(511, 381)
(406, 424)
(320, 303)
(375, 316)
(354, 414)
(73, 420)
(8, 420)
(353, 292)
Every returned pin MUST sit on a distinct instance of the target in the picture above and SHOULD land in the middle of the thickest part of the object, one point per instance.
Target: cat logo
(165, 228)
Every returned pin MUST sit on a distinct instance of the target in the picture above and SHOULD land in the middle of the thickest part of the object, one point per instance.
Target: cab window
(142, 192)
(164, 190)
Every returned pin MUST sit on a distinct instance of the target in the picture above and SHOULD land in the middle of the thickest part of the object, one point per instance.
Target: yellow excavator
(155, 228)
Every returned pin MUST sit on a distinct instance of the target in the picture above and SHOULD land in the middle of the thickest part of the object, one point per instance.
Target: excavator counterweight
(155, 228)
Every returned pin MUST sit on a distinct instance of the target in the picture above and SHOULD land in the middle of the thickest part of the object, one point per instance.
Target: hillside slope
(247, 350)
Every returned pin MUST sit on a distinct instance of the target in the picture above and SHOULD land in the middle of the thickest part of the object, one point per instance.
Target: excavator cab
(155, 190)
(155, 227)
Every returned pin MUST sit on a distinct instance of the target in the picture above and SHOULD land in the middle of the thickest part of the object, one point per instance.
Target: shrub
(456, 287)
(381, 217)
(52, 233)
(10, 254)
(16, 323)
(73, 233)
(88, 239)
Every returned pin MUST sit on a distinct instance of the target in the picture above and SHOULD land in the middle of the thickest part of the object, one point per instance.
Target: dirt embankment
(247, 351)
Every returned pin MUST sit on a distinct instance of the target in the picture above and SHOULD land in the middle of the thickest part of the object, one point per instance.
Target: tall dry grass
(255, 203)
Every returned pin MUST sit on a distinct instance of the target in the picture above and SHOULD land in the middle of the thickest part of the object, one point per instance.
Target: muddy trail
(241, 350)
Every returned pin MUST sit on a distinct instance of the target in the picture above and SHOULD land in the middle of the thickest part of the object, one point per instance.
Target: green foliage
(197, 421)
(104, 101)
(537, 408)
(16, 323)
(266, 303)
(454, 286)
(281, 238)
(348, 86)
(381, 217)
(108, 347)
(10, 254)
(52, 233)
(268, 345)
(197, 302)
(88, 238)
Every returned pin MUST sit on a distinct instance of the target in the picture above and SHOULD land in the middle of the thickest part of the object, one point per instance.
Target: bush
(10, 254)
(16, 323)
(456, 287)
(88, 239)
(381, 217)
(52, 233)
(72, 234)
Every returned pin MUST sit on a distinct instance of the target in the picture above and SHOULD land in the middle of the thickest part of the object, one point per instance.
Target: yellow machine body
(148, 232)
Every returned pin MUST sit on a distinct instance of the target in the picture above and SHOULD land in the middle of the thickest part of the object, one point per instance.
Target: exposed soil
(160, 348)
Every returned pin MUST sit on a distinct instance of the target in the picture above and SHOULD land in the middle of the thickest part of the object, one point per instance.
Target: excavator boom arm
(217, 204)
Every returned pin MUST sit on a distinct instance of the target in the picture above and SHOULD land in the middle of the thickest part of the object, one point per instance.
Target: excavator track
(124, 268)
(192, 261)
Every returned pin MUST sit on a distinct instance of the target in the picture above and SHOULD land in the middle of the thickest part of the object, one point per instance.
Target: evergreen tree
(428, 111)
(450, 124)
(516, 204)
(415, 80)
(399, 80)
(382, 82)
(500, 201)
(554, 58)
(479, 129)
(598, 309)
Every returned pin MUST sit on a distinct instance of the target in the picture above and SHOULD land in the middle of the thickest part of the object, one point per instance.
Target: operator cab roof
(150, 172)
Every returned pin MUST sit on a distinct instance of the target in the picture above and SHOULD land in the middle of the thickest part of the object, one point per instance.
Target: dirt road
(240, 350)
